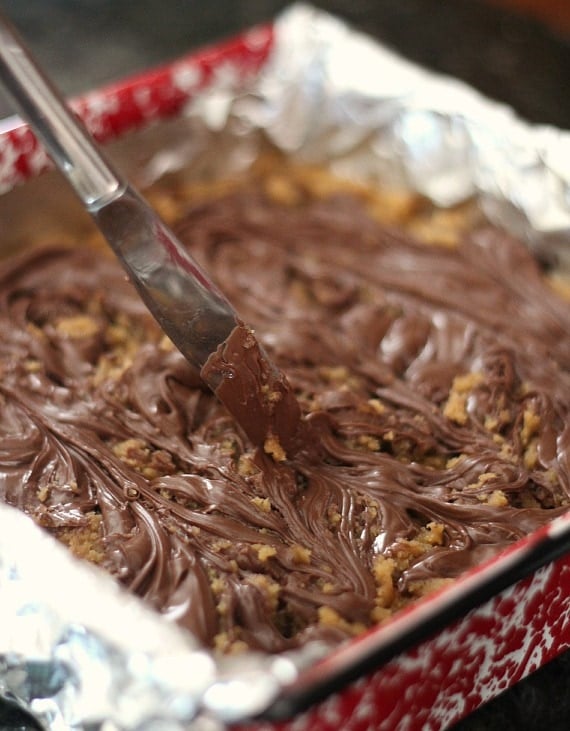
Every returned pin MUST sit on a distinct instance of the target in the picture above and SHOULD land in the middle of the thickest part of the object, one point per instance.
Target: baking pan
(289, 85)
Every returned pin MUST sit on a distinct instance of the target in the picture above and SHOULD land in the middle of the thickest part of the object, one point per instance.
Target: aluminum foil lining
(330, 95)
(76, 650)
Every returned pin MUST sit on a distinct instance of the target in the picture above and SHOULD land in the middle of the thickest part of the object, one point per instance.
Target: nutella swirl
(435, 390)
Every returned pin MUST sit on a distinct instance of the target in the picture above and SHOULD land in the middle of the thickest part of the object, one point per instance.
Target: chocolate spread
(434, 392)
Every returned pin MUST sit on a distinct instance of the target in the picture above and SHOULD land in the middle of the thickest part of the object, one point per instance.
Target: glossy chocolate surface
(435, 395)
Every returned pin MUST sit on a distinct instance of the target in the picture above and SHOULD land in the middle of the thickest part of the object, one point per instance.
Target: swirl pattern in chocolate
(433, 382)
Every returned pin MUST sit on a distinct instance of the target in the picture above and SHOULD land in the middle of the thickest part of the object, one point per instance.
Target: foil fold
(77, 651)
(66, 641)
(333, 96)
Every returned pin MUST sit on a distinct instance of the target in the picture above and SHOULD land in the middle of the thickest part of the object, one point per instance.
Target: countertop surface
(511, 58)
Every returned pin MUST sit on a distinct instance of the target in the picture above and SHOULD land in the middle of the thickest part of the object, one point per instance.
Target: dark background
(509, 56)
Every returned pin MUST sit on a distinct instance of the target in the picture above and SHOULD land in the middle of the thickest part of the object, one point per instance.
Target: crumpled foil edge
(332, 95)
